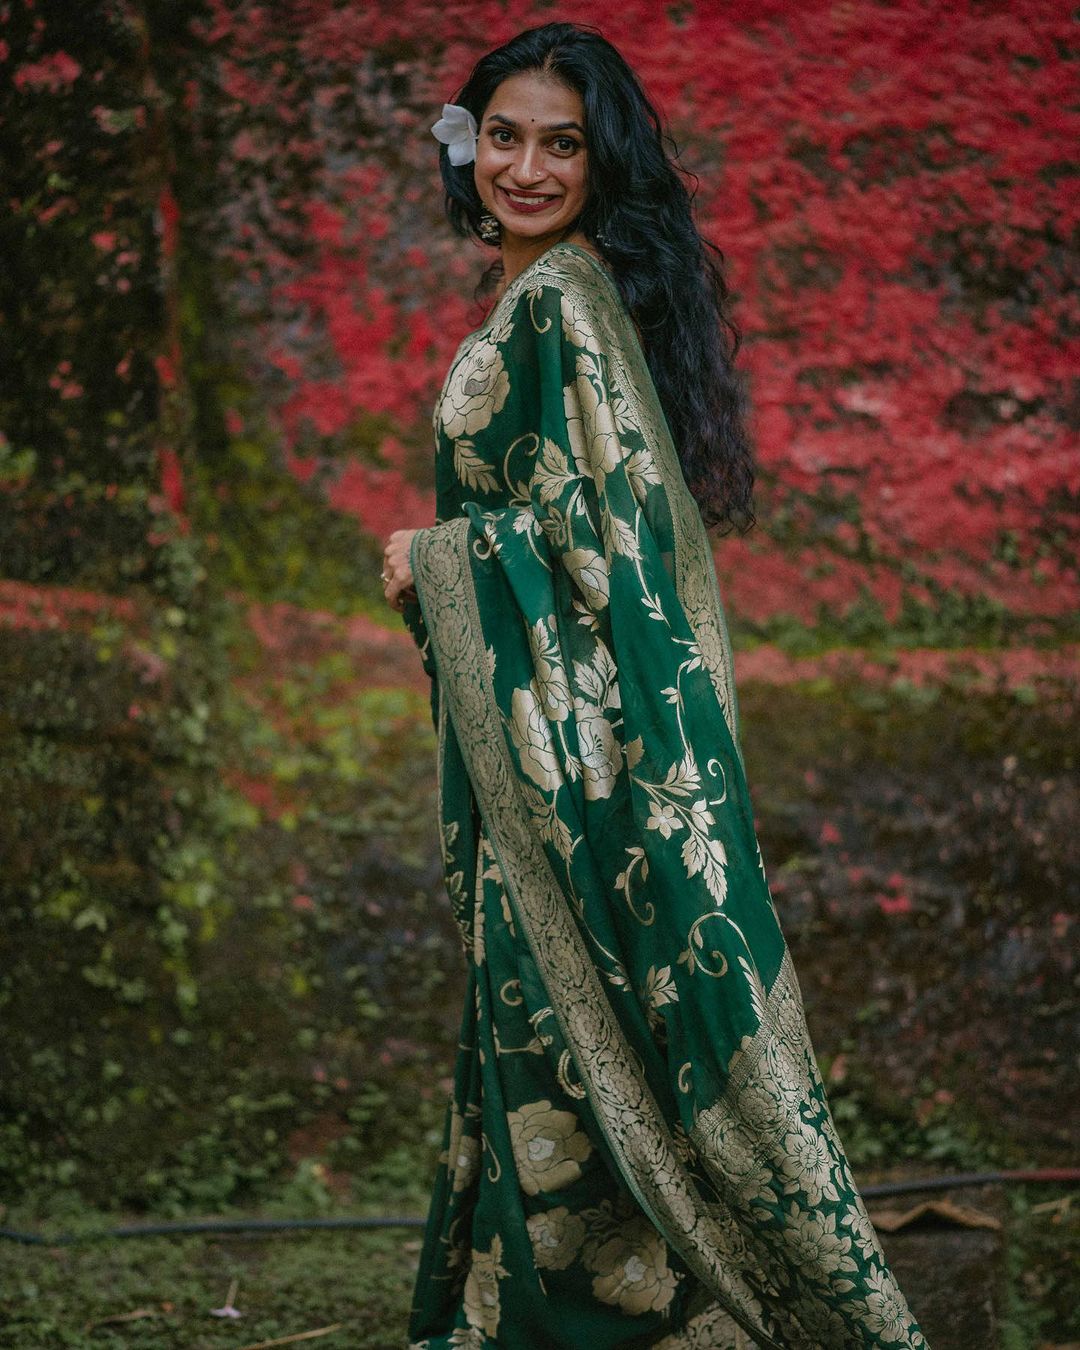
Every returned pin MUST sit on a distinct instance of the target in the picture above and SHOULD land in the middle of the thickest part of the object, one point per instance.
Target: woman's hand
(397, 575)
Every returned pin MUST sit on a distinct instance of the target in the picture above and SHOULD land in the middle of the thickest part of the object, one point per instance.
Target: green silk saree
(639, 1151)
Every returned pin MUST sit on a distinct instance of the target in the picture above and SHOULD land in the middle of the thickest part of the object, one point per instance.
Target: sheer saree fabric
(639, 1150)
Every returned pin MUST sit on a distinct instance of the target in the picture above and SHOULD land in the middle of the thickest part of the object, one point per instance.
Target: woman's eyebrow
(552, 126)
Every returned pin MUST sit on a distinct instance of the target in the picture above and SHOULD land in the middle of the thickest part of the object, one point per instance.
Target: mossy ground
(286, 1283)
(361, 1281)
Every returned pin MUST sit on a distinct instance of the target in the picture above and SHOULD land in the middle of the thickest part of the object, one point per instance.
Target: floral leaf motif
(639, 863)
(550, 826)
(550, 674)
(588, 366)
(589, 681)
(708, 857)
(659, 987)
(585, 615)
(618, 536)
(590, 573)
(634, 751)
(642, 472)
(475, 390)
(531, 735)
(552, 474)
(693, 854)
(555, 527)
(596, 679)
(604, 663)
(548, 1146)
(807, 1165)
(556, 1236)
(624, 419)
(472, 468)
(664, 819)
(575, 325)
(601, 753)
(683, 778)
(590, 424)
(631, 1269)
(481, 1296)
(701, 817)
(755, 986)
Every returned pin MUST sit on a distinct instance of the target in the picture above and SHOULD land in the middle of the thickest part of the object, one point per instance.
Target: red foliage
(888, 187)
(1009, 669)
(23, 605)
(169, 218)
(52, 74)
(172, 479)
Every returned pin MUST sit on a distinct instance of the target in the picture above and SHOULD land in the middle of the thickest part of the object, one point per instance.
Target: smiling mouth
(528, 201)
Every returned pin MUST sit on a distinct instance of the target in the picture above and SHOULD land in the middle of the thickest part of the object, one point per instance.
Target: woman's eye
(565, 145)
(500, 132)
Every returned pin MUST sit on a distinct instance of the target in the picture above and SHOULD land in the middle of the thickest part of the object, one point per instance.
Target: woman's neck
(518, 253)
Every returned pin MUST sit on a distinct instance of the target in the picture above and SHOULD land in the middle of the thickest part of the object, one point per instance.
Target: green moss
(1040, 1304)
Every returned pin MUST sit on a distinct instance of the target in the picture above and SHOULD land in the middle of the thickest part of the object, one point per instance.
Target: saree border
(707, 1237)
(695, 574)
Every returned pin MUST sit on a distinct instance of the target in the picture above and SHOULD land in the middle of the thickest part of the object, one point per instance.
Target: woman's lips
(527, 203)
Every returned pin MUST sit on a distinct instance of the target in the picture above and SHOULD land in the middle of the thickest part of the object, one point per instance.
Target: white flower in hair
(456, 128)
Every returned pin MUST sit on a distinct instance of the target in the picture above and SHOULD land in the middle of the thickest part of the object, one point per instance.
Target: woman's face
(531, 158)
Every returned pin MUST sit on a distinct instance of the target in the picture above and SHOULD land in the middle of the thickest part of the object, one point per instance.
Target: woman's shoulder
(567, 279)
(568, 266)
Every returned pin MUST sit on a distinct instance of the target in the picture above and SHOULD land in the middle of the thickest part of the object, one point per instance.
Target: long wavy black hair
(638, 215)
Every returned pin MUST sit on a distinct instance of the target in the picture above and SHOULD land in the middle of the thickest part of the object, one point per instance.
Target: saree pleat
(639, 1149)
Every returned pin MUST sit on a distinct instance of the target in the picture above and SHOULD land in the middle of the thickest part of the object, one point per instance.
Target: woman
(638, 1149)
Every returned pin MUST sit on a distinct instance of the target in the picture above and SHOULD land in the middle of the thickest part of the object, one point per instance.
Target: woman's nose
(527, 167)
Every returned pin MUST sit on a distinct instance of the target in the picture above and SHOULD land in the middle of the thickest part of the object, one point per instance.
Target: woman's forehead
(532, 98)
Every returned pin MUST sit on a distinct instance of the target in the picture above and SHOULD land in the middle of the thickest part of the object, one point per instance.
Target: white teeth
(526, 201)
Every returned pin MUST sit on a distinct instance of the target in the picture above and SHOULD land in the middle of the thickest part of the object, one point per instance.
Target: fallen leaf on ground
(945, 1211)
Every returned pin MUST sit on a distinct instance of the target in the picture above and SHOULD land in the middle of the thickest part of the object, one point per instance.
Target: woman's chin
(531, 231)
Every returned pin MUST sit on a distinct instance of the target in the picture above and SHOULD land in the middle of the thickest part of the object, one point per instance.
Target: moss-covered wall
(174, 1014)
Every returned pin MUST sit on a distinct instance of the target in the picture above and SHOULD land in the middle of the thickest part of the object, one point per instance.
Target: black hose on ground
(182, 1228)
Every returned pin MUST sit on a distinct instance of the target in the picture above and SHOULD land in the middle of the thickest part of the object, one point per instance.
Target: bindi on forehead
(506, 121)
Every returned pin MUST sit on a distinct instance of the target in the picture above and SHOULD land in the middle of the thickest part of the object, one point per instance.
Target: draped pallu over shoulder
(590, 768)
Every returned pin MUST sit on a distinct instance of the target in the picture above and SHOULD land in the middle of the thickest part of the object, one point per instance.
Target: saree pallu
(639, 1150)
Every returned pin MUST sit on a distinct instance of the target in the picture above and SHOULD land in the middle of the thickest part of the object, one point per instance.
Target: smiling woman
(638, 1149)
(532, 164)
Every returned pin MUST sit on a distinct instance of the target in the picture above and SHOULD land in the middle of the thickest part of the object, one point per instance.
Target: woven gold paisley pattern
(639, 1147)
